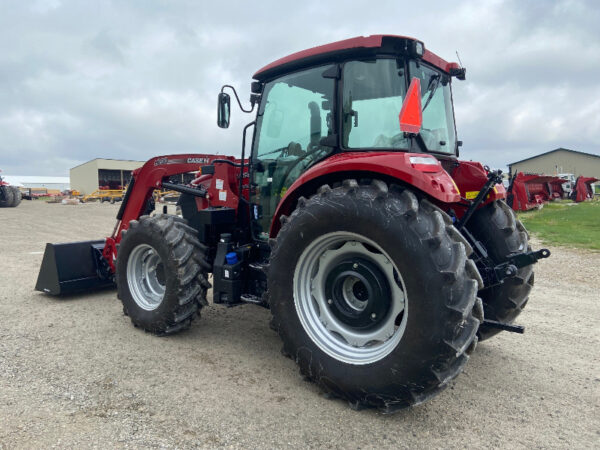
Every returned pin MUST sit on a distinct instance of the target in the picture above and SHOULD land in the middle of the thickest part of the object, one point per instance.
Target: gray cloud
(131, 80)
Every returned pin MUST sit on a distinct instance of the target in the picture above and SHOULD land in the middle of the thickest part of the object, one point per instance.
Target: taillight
(425, 163)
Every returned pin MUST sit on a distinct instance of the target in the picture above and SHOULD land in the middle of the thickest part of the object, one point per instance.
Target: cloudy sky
(135, 79)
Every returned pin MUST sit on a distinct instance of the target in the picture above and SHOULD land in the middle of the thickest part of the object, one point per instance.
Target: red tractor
(10, 196)
(382, 256)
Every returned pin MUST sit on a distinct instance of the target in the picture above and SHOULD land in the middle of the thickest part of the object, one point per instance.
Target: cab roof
(361, 46)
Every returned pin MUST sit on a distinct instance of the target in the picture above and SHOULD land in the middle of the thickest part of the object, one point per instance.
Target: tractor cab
(345, 97)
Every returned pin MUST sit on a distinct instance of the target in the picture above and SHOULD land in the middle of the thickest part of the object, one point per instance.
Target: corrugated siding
(561, 162)
(84, 177)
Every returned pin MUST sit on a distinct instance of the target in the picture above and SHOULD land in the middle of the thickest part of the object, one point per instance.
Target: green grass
(566, 223)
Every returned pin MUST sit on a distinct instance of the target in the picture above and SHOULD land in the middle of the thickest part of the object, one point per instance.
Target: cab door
(295, 114)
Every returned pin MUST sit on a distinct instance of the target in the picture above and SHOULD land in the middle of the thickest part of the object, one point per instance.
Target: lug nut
(329, 301)
(355, 266)
(373, 316)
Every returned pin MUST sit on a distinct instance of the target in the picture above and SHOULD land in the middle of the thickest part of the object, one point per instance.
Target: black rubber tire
(17, 196)
(185, 268)
(502, 234)
(8, 197)
(444, 312)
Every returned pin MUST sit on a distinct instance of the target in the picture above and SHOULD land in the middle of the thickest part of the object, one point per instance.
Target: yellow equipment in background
(108, 195)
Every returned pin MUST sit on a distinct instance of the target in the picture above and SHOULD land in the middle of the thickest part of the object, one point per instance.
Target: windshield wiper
(435, 77)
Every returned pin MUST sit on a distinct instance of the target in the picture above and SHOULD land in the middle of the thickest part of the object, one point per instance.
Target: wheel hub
(146, 277)
(350, 298)
(359, 293)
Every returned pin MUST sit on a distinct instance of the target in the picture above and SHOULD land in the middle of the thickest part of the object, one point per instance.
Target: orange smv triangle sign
(411, 116)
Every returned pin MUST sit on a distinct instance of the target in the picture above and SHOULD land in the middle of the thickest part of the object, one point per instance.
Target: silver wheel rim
(144, 277)
(317, 314)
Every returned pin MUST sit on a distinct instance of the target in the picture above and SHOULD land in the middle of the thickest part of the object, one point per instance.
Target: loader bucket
(73, 267)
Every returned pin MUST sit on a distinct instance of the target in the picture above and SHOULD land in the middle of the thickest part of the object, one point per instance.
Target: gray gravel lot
(74, 372)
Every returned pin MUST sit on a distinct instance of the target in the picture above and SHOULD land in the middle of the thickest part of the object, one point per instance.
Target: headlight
(418, 48)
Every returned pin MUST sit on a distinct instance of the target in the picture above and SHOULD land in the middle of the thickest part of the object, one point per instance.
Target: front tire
(161, 274)
(403, 340)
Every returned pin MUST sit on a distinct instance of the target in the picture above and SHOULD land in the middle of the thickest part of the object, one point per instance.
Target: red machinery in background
(532, 190)
(583, 189)
(555, 187)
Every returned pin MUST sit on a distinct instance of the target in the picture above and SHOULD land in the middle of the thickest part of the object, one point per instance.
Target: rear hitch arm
(504, 326)
(494, 178)
(513, 263)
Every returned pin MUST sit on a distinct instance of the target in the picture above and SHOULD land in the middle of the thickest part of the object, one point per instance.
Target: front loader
(382, 257)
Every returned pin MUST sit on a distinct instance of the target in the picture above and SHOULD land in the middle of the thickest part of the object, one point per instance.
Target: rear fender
(431, 179)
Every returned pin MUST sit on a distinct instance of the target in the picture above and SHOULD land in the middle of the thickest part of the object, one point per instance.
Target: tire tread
(189, 256)
(462, 279)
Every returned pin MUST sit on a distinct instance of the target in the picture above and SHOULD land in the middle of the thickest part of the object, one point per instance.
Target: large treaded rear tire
(184, 267)
(443, 311)
(17, 196)
(502, 234)
(8, 199)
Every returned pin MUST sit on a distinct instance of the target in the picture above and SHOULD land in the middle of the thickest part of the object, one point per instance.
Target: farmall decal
(161, 161)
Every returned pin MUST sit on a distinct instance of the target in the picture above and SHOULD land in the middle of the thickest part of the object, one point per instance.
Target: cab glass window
(294, 115)
(438, 131)
(372, 100)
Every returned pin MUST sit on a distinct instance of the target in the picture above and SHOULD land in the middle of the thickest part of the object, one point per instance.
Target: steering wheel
(283, 152)
(294, 149)
(309, 152)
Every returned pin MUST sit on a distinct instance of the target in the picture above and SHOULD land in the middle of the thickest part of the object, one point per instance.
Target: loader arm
(152, 175)
(78, 266)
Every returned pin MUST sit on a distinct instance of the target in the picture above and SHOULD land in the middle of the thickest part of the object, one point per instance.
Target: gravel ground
(74, 372)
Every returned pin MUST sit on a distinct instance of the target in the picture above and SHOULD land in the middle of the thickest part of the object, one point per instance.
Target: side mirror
(223, 110)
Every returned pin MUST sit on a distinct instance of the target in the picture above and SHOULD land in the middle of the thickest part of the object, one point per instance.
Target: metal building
(57, 184)
(106, 173)
(560, 160)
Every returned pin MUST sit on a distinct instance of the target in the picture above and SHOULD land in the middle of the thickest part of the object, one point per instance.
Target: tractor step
(246, 299)
(73, 267)
(504, 326)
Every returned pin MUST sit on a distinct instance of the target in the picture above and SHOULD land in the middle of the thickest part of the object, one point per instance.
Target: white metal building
(33, 181)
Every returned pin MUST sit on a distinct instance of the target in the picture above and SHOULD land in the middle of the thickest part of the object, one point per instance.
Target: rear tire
(17, 196)
(8, 197)
(161, 274)
(502, 234)
(394, 233)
